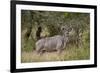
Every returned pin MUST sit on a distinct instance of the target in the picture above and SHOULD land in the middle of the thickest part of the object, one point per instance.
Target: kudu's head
(65, 30)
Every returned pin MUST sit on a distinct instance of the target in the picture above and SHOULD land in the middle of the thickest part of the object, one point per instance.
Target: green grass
(67, 55)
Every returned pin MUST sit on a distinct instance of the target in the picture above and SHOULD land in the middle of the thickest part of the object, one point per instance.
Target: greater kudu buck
(55, 43)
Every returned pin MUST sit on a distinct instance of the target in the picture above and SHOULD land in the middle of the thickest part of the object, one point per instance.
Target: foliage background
(79, 41)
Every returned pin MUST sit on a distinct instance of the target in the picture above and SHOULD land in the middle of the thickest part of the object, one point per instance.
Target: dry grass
(68, 54)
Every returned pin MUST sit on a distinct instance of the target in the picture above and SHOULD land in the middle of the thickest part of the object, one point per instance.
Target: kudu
(55, 43)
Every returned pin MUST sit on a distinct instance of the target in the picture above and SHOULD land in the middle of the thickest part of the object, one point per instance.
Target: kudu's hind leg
(42, 52)
(38, 51)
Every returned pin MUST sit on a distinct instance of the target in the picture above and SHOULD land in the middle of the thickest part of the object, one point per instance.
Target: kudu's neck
(66, 37)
